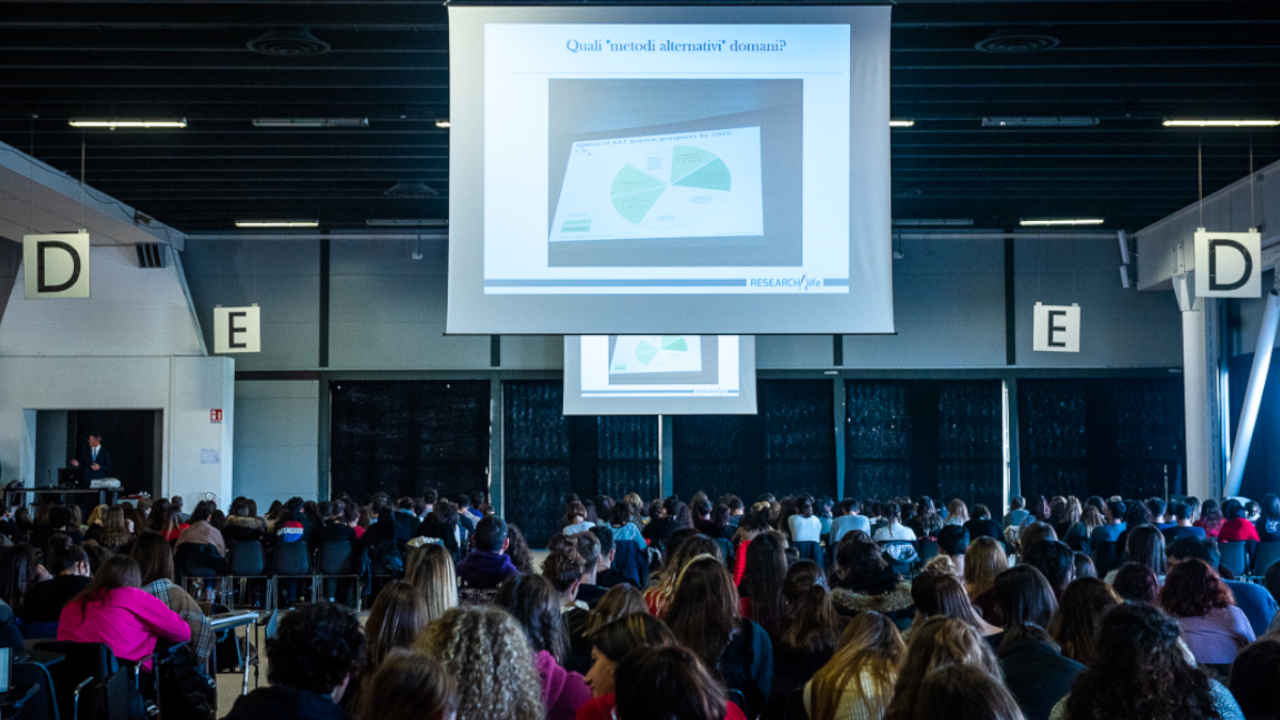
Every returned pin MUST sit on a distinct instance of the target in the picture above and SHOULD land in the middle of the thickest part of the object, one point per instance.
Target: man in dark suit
(95, 458)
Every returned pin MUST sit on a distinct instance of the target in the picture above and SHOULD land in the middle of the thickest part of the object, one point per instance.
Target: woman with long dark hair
(808, 631)
(1210, 519)
(938, 643)
(1076, 621)
(1139, 670)
(20, 568)
(155, 563)
(609, 644)
(861, 580)
(115, 612)
(761, 586)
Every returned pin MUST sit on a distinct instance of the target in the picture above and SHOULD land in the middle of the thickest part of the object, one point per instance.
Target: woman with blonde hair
(984, 560)
(857, 683)
(941, 642)
(486, 651)
(957, 512)
(113, 533)
(430, 570)
(97, 515)
(398, 616)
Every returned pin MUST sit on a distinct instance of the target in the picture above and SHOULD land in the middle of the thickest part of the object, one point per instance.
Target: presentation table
(106, 496)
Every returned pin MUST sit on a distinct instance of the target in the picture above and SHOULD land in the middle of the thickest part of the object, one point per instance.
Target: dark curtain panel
(1101, 437)
(549, 455)
(924, 437)
(786, 449)
(403, 437)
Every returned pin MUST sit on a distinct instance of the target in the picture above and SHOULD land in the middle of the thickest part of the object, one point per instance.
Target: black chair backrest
(43, 705)
(1267, 554)
(246, 559)
(334, 558)
(928, 549)
(292, 558)
(85, 660)
(1233, 557)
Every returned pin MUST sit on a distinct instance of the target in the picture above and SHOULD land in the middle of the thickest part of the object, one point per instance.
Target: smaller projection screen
(706, 170)
(659, 375)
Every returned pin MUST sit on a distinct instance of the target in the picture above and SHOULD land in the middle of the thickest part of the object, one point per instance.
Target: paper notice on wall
(210, 457)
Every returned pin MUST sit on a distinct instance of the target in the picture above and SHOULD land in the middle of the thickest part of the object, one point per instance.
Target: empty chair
(246, 561)
(292, 564)
(1267, 554)
(1234, 557)
(43, 705)
(336, 561)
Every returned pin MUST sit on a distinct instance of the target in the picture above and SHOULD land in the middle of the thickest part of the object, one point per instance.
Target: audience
(44, 601)
(858, 680)
(1135, 582)
(1255, 676)
(430, 570)
(155, 563)
(488, 564)
(964, 692)
(938, 643)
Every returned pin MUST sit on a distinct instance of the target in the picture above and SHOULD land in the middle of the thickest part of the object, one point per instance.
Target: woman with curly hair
(1213, 627)
(518, 550)
(486, 651)
(1139, 670)
(1076, 621)
(857, 684)
(940, 642)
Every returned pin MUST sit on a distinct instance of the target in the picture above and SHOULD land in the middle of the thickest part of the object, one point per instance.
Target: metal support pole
(1253, 393)
(666, 443)
(1195, 390)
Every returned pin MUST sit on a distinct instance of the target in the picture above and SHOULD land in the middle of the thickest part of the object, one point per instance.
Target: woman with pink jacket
(115, 612)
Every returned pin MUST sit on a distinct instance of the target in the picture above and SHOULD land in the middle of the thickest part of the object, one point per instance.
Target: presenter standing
(95, 458)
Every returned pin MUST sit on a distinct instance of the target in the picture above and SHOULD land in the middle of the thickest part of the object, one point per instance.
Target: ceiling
(1130, 64)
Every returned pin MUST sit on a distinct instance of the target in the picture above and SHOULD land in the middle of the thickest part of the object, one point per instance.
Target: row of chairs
(247, 562)
(1248, 558)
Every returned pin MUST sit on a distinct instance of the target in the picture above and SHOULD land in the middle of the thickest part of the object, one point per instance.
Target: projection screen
(659, 375)
(709, 170)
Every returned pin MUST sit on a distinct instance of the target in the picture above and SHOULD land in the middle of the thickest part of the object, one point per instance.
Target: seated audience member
(939, 594)
(1213, 627)
(336, 527)
(310, 660)
(662, 585)
(927, 523)
(113, 533)
(59, 522)
(622, 523)
(155, 563)
(963, 691)
(983, 561)
(760, 592)
(606, 575)
(1055, 561)
(621, 601)
(672, 683)
(20, 569)
(1211, 519)
(807, 635)
(804, 526)
(486, 651)
(938, 643)
(1235, 526)
(200, 531)
(1181, 527)
(1135, 582)
(981, 524)
(861, 580)
(1157, 507)
(858, 681)
(1084, 566)
(399, 614)
(112, 610)
(894, 529)
(609, 644)
(430, 570)
(1073, 626)
(1017, 512)
(1145, 545)
(1035, 671)
(1255, 601)
(1136, 643)
(1268, 524)
(1078, 528)
(443, 523)
(847, 520)
(953, 541)
(1112, 526)
(409, 686)
(749, 529)
(487, 565)
(564, 566)
(166, 520)
(533, 602)
(242, 526)
(44, 601)
(1033, 533)
(717, 524)
(957, 512)
(1255, 675)
(589, 590)
(703, 615)
(406, 517)
(1024, 597)
(518, 550)
(575, 519)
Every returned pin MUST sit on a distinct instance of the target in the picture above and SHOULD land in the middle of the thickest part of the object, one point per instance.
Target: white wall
(277, 426)
(183, 388)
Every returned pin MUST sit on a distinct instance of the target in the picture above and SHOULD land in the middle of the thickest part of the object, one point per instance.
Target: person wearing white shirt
(894, 530)
(848, 521)
(805, 527)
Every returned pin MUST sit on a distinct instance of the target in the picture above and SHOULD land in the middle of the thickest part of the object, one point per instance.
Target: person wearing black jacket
(1035, 672)
(311, 659)
(442, 523)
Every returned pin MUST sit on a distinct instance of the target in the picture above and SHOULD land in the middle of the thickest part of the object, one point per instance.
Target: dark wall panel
(788, 448)
(402, 437)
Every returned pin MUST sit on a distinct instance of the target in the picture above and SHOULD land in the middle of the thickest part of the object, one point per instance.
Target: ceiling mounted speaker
(410, 189)
(1012, 41)
(294, 42)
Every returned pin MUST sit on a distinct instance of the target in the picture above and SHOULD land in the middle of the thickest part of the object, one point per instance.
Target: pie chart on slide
(670, 187)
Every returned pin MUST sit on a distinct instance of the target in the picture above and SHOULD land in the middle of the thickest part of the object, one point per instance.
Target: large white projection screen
(659, 375)
(708, 170)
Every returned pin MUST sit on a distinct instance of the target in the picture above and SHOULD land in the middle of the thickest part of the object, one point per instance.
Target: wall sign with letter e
(1228, 264)
(55, 266)
(235, 330)
(1057, 328)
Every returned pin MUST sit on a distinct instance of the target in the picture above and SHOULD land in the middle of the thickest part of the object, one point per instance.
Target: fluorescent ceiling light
(1039, 121)
(904, 122)
(1068, 221)
(311, 122)
(935, 222)
(442, 123)
(407, 222)
(277, 223)
(114, 123)
(1221, 123)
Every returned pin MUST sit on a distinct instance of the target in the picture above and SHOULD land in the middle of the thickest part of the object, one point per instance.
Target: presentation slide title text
(577, 46)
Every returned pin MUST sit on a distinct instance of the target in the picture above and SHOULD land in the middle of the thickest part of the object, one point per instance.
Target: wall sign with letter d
(236, 330)
(1228, 264)
(55, 266)
(1057, 328)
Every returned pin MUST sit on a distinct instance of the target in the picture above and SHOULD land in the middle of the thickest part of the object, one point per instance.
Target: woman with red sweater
(1236, 528)
(114, 612)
